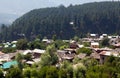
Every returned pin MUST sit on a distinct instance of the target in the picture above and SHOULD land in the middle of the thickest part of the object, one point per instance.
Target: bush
(84, 50)
(9, 50)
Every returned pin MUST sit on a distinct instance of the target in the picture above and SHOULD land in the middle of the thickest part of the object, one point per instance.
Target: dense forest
(66, 22)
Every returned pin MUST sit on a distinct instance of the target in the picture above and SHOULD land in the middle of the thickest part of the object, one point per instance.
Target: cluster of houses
(101, 53)
(70, 53)
(97, 53)
(35, 55)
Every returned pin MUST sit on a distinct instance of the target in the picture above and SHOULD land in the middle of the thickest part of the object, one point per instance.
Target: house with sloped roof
(105, 54)
(67, 54)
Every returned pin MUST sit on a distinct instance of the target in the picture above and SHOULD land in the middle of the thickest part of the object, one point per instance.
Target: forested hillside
(66, 22)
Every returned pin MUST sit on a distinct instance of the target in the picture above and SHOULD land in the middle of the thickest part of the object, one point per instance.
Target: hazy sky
(20, 7)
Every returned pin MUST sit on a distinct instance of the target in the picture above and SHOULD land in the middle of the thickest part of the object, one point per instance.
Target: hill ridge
(97, 17)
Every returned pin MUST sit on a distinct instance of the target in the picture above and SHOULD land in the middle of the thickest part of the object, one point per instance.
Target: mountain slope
(101, 17)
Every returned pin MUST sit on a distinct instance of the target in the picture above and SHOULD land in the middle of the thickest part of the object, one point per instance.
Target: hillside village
(95, 47)
(70, 52)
